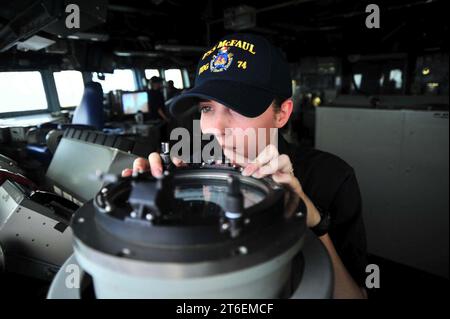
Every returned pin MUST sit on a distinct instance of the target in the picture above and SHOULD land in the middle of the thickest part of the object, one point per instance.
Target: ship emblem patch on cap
(221, 61)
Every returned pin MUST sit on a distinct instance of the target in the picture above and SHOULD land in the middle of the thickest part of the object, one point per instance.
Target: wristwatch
(324, 225)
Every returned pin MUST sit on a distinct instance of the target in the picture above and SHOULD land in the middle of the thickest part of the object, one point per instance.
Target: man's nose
(217, 126)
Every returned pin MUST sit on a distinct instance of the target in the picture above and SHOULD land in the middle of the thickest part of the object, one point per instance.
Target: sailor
(243, 82)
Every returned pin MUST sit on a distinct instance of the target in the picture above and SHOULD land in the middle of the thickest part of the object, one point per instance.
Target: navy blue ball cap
(244, 72)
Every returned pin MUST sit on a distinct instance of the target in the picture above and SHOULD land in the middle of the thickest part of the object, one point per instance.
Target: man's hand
(270, 163)
(154, 164)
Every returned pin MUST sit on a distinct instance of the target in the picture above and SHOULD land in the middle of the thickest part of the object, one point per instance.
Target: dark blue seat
(40, 153)
(90, 110)
(88, 115)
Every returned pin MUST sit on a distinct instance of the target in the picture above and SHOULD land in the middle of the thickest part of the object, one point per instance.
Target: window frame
(157, 69)
(47, 82)
(67, 108)
(181, 75)
(133, 71)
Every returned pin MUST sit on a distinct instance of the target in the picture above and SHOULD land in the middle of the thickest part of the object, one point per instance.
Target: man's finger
(280, 163)
(267, 154)
(140, 165)
(156, 165)
(127, 172)
(289, 180)
(178, 162)
(282, 178)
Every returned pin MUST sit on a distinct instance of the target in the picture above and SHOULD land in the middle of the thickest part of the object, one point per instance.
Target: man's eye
(205, 108)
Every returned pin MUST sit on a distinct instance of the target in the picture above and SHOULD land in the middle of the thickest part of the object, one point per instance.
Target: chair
(90, 110)
(88, 115)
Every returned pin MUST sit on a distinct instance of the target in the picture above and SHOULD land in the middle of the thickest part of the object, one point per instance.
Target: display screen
(133, 102)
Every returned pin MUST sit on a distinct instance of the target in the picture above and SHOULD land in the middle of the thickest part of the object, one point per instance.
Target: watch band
(324, 225)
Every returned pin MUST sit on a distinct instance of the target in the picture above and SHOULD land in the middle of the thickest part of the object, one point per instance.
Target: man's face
(236, 133)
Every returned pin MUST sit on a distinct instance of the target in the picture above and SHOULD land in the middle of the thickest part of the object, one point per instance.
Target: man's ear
(283, 115)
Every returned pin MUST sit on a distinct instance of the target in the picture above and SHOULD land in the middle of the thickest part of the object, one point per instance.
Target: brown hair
(277, 101)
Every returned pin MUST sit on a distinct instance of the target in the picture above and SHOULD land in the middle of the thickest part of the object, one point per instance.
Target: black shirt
(171, 92)
(331, 184)
(156, 102)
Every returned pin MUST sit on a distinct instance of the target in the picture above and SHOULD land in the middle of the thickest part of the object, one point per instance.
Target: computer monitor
(133, 102)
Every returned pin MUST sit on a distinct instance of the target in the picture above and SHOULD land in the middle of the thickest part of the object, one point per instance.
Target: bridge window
(357, 80)
(22, 91)
(120, 79)
(149, 73)
(396, 77)
(175, 76)
(70, 87)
